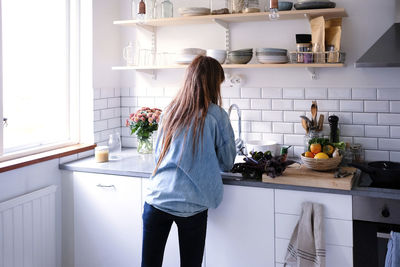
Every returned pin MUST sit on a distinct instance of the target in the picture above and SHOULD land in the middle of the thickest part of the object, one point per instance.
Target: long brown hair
(202, 86)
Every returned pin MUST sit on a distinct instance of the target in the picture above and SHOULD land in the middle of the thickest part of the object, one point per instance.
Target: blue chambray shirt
(186, 184)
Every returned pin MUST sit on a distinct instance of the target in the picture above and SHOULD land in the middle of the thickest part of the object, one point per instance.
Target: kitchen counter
(138, 165)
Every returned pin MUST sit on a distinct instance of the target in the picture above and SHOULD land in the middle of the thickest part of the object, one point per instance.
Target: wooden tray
(303, 176)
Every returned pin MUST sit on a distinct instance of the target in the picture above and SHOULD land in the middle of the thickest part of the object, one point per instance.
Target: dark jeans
(156, 227)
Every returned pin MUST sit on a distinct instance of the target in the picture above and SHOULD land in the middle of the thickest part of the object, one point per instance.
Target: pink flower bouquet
(144, 122)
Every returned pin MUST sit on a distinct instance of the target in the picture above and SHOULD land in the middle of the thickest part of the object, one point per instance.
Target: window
(39, 41)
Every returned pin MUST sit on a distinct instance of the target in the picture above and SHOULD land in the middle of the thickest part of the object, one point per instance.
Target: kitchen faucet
(238, 142)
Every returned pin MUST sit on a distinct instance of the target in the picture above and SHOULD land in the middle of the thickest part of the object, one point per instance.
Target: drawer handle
(106, 186)
(383, 235)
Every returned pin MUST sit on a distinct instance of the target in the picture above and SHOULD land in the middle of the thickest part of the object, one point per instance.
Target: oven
(373, 220)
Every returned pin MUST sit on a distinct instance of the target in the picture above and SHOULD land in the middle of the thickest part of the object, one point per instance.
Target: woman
(195, 143)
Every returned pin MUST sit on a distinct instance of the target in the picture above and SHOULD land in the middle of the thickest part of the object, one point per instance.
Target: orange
(321, 155)
(309, 154)
(315, 148)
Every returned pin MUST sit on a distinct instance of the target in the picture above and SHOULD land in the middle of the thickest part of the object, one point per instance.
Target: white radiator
(27, 230)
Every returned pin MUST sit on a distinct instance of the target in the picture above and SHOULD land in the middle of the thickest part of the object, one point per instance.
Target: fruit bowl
(321, 164)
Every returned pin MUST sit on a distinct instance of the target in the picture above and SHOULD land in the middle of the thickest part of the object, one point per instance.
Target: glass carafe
(114, 146)
(167, 9)
(129, 54)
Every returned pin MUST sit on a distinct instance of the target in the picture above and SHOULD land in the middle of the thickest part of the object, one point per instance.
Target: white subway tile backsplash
(125, 91)
(293, 93)
(365, 118)
(114, 123)
(389, 144)
(138, 91)
(395, 106)
(96, 93)
(252, 136)
(163, 102)
(155, 91)
(344, 117)
(171, 91)
(273, 137)
(364, 93)
(339, 93)
(242, 103)
(328, 105)
(146, 102)
(230, 92)
(298, 128)
(107, 113)
(376, 106)
(376, 131)
(272, 92)
(251, 115)
(100, 104)
(302, 104)
(261, 103)
(272, 115)
(114, 102)
(367, 143)
(376, 155)
(394, 131)
(292, 116)
(100, 125)
(280, 104)
(394, 156)
(128, 141)
(316, 93)
(250, 92)
(388, 119)
(298, 150)
(281, 127)
(261, 127)
(125, 112)
(388, 94)
(117, 92)
(129, 101)
(96, 115)
(351, 130)
(106, 92)
(355, 106)
(294, 139)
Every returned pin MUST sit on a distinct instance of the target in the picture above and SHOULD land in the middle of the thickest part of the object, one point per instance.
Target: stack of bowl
(219, 55)
(271, 55)
(186, 56)
(242, 56)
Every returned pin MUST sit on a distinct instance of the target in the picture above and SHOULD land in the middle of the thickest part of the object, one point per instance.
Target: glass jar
(221, 7)
(114, 146)
(101, 154)
(356, 150)
(134, 9)
(167, 9)
(251, 6)
(150, 9)
(311, 134)
(237, 6)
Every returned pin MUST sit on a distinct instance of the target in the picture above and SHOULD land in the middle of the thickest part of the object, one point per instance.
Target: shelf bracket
(313, 73)
(146, 27)
(152, 73)
(225, 25)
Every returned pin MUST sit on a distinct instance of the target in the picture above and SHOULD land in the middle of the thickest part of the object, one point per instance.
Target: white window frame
(79, 69)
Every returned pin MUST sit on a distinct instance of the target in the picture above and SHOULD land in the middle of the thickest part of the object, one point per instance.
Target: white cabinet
(107, 220)
(338, 227)
(171, 253)
(240, 232)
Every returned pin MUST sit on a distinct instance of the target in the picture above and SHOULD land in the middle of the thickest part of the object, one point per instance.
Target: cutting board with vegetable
(303, 176)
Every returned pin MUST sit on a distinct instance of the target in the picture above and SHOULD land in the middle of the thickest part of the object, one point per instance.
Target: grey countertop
(134, 164)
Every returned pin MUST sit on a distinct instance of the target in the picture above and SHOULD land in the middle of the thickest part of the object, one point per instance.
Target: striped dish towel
(307, 244)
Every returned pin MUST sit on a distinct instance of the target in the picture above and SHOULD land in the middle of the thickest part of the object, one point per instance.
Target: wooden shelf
(236, 66)
(229, 18)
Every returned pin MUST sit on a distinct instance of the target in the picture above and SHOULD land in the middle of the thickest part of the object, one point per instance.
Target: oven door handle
(383, 235)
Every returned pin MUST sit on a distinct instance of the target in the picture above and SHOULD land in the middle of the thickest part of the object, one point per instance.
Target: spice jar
(237, 6)
(304, 48)
(101, 154)
(356, 150)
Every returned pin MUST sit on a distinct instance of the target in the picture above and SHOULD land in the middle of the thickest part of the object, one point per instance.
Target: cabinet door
(107, 220)
(171, 253)
(240, 231)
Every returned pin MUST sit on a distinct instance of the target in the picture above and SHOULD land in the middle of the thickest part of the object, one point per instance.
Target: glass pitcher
(114, 146)
(129, 54)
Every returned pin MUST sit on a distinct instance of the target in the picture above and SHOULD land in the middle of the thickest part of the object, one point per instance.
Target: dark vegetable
(255, 166)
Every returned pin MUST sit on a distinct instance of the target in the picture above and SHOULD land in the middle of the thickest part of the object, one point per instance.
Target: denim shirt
(186, 184)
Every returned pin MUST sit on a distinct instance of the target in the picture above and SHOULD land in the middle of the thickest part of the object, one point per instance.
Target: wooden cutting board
(303, 176)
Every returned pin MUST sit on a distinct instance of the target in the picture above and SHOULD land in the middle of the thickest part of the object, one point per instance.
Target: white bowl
(219, 55)
(262, 146)
(192, 51)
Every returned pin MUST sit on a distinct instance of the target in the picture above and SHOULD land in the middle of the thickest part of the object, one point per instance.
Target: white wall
(365, 99)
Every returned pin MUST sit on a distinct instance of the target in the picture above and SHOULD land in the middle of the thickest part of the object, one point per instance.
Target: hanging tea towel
(393, 250)
(307, 244)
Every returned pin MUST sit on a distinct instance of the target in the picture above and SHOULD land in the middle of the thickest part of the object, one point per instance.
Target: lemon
(321, 155)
